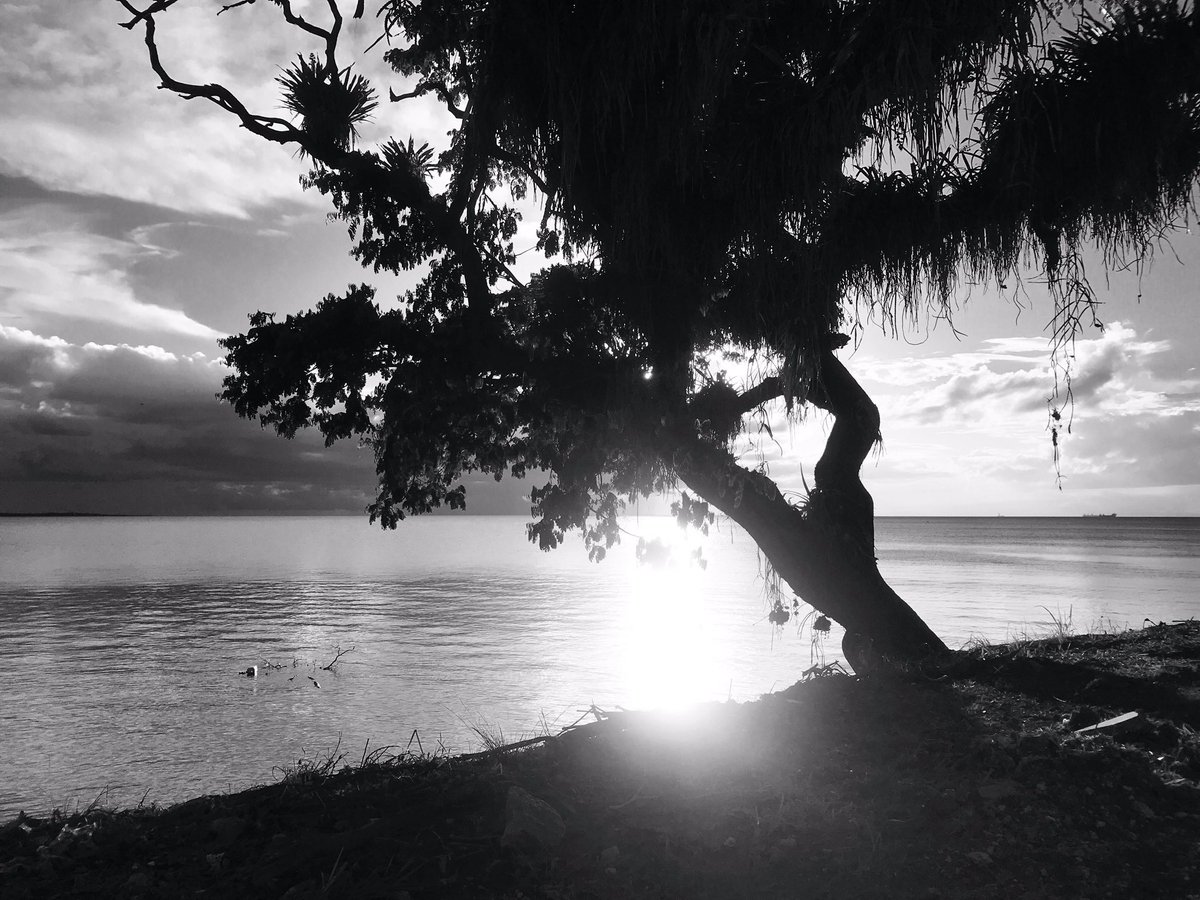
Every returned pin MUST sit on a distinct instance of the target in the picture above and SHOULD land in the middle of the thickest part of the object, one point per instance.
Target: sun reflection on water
(669, 635)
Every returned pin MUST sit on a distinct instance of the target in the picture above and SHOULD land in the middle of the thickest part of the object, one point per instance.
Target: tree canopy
(713, 177)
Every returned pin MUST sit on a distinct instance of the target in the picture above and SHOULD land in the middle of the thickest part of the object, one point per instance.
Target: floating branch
(333, 662)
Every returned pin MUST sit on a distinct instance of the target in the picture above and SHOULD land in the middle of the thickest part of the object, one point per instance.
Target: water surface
(124, 637)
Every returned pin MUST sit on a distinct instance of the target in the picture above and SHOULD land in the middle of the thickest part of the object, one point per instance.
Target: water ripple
(125, 638)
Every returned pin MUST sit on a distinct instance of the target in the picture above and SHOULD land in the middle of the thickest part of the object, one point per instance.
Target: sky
(137, 228)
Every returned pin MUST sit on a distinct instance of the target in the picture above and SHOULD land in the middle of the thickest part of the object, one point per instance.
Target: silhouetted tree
(714, 176)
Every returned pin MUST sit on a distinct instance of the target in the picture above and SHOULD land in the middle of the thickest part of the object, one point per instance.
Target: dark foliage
(738, 176)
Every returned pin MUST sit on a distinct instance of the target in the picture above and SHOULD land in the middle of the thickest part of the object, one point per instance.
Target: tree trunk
(825, 549)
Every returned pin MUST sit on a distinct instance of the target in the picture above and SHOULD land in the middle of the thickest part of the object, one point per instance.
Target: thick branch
(766, 390)
(838, 492)
(812, 552)
(428, 86)
(856, 424)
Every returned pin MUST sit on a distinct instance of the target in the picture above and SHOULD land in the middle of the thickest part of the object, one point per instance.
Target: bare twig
(234, 5)
(409, 191)
(334, 661)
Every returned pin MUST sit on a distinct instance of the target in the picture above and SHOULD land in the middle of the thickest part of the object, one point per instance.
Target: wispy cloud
(1008, 376)
(980, 417)
(82, 111)
(53, 269)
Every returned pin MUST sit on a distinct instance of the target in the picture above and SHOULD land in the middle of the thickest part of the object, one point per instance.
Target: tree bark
(825, 549)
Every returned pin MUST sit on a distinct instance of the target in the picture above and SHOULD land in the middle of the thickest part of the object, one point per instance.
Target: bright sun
(669, 638)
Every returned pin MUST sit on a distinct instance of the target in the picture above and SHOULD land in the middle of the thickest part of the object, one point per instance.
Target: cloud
(53, 268)
(140, 429)
(83, 112)
(137, 429)
(1009, 376)
(967, 431)
(980, 417)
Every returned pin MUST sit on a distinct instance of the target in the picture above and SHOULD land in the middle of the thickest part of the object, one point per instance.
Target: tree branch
(766, 390)
(270, 127)
(425, 87)
(235, 5)
(139, 15)
(300, 22)
(413, 193)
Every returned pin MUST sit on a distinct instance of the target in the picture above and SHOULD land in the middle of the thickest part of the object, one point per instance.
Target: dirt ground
(966, 778)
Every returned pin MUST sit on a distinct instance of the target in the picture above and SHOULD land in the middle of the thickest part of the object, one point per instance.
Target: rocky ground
(969, 778)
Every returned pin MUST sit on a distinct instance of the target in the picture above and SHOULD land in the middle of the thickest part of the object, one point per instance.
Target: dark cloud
(139, 431)
(1098, 369)
(108, 216)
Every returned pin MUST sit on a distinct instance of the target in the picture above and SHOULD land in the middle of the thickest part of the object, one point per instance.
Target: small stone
(1143, 810)
(610, 855)
(526, 815)
(979, 858)
(731, 841)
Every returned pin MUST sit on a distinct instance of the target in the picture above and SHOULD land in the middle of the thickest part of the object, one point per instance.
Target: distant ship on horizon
(1099, 515)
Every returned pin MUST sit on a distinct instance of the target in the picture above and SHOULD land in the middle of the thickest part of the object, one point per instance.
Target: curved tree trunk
(825, 550)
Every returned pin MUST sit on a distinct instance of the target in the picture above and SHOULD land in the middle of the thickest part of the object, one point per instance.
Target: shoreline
(972, 777)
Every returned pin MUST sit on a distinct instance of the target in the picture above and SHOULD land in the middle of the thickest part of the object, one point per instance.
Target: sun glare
(669, 638)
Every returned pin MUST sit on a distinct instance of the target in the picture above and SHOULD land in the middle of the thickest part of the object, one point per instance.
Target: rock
(1143, 810)
(527, 817)
(610, 855)
(979, 858)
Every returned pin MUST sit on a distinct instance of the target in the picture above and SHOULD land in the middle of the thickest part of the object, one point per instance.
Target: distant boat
(1099, 515)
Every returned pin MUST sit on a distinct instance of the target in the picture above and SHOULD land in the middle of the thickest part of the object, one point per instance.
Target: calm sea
(124, 638)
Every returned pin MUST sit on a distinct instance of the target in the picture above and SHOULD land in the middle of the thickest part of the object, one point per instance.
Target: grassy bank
(972, 778)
